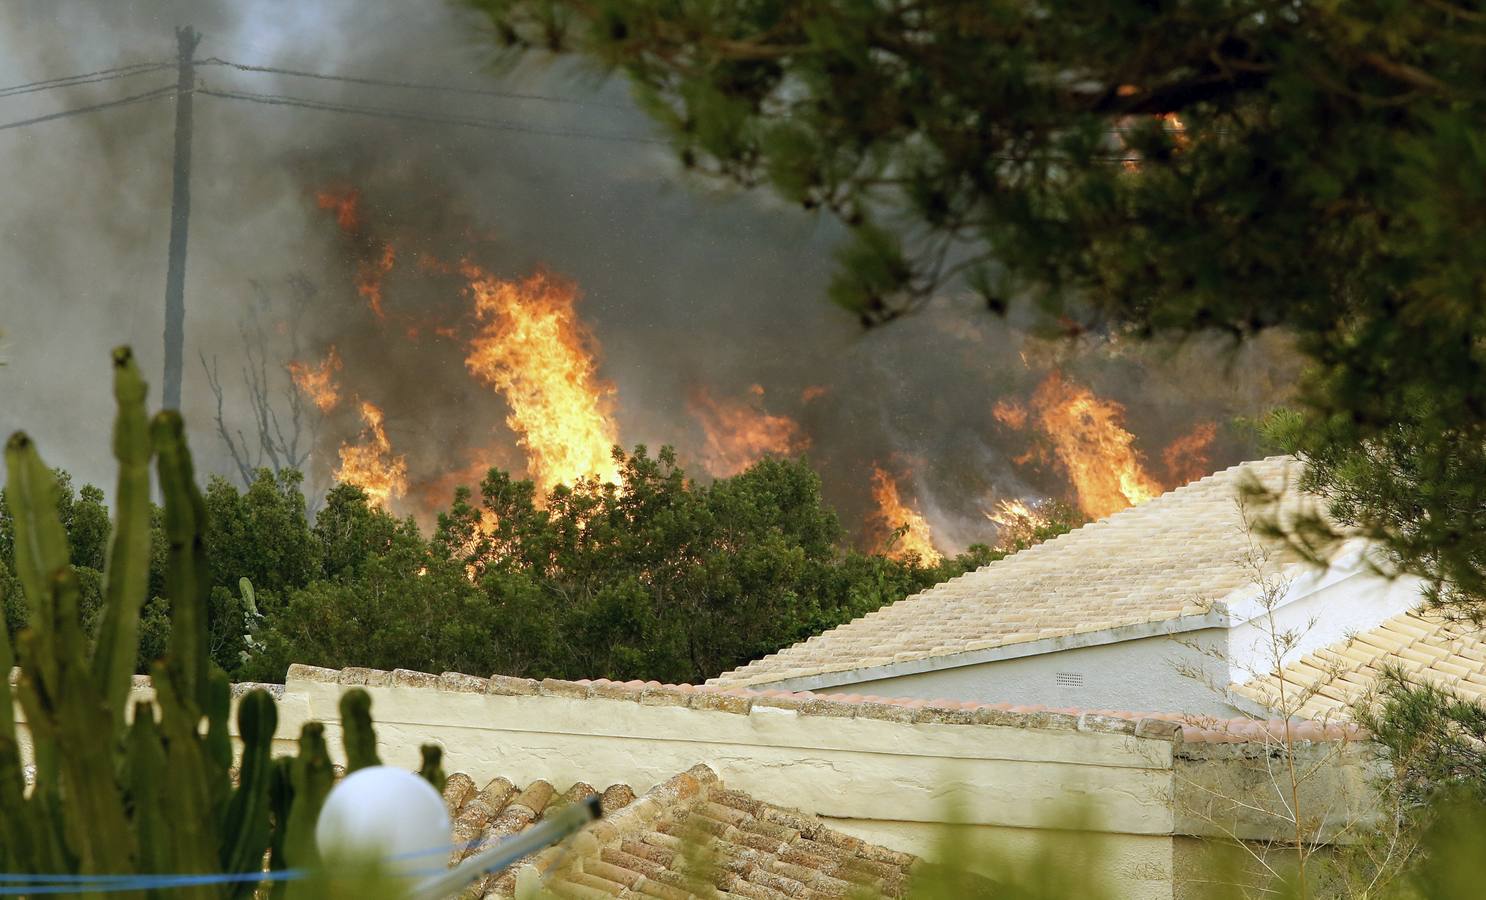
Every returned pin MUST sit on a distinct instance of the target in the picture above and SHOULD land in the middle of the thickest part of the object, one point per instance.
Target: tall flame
(740, 432)
(318, 381)
(371, 465)
(535, 352)
(1089, 438)
(893, 513)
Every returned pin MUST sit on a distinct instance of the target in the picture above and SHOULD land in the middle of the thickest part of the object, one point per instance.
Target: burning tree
(1308, 166)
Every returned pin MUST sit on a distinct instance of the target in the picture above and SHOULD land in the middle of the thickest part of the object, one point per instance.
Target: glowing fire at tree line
(531, 348)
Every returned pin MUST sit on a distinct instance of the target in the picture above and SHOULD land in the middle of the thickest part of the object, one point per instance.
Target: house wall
(1182, 672)
(1186, 671)
(1319, 608)
(1101, 795)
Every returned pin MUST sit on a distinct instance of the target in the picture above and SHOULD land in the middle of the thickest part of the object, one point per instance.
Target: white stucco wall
(1183, 665)
(893, 775)
(1169, 673)
(1320, 607)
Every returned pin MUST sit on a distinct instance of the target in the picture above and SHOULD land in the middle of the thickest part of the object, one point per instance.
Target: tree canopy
(1140, 167)
(660, 578)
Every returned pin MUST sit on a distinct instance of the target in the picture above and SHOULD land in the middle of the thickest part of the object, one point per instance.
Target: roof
(1178, 555)
(688, 836)
(1327, 682)
(1167, 726)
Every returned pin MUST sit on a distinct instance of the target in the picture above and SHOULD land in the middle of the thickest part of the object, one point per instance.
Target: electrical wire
(85, 78)
(123, 101)
(405, 85)
(407, 115)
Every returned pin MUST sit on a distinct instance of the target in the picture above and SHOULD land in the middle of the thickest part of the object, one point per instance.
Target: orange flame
(893, 513)
(740, 433)
(1012, 512)
(1089, 438)
(370, 465)
(369, 275)
(1010, 413)
(535, 352)
(345, 203)
(1188, 457)
(1017, 523)
(318, 382)
(467, 551)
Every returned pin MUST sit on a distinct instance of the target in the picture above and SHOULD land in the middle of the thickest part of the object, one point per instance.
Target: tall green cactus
(150, 792)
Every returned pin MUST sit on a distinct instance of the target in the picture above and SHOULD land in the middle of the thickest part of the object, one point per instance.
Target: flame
(467, 551)
(894, 514)
(1089, 438)
(740, 433)
(370, 465)
(813, 393)
(369, 275)
(1010, 413)
(535, 352)
(318, 382)
(1188, 457)
(1017, 523)
(345, 203)
(1012, 512)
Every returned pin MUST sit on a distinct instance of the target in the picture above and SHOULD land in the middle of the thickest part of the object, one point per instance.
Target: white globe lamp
(385, 814)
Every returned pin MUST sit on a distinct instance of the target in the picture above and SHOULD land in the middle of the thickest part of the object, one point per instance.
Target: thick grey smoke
(682, 284)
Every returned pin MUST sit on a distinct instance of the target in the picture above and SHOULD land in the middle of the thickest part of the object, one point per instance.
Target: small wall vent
(1069, 679)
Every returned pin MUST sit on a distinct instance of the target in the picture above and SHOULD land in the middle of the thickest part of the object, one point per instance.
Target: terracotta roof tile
(908, 712)
(1173, 556)
(694, 838)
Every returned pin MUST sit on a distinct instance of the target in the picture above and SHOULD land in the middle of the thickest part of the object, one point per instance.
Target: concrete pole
(180, 213)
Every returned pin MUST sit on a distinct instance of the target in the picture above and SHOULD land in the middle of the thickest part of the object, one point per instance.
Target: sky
(682, 284)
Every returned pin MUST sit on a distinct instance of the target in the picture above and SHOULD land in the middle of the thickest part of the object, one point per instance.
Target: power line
(406, 85)
(137, 98)
(85, 78)
(77, 81)
(383, 112)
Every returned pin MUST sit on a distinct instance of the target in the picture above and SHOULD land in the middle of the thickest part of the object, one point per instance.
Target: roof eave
(1216, 617)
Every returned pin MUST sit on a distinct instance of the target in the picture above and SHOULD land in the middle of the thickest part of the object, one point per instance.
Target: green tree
(1148, 167)
(663, 578)
(262, 533)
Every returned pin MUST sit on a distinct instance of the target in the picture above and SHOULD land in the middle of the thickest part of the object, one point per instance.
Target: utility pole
(180, 213)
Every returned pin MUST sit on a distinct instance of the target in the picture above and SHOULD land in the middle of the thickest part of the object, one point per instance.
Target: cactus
(361, 740)
(433, 766)
(151, 793)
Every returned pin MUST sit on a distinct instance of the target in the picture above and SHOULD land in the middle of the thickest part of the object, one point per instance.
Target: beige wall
(1015, 778)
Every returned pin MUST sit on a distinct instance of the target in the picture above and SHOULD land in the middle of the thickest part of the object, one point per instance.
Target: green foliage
(1434, 739)
(663, 578)
(1417, 489)
(155, 794)
(1139, 167)
(666, 579)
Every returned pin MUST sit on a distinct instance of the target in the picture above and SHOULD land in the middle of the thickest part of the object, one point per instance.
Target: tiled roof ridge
(819, 654)
(1176, 727)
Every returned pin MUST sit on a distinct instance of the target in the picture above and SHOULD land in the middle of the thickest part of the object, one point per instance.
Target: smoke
(684, 286)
